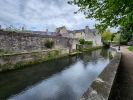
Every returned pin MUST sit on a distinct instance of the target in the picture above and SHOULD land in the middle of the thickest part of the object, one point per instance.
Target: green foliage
(57, 52)
(123, 42)
(130, 48)
(125, 34)
(106, 36)
(91, 49)
(82, 41)
(49, 44)
(116, 38)
(112, 37)
(89, 42)
(2, 51)
(111, 13)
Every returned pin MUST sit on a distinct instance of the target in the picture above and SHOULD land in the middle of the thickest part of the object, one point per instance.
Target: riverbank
(130, 48)
(20, 60)
(101, 87)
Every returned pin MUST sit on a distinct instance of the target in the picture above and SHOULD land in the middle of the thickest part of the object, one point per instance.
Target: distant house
(62, 31)
(87, 34)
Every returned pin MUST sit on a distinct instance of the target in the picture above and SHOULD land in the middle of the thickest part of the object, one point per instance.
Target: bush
(89, 42)
(49, 44)
(82, 41)
(2, 51)
(123, 42)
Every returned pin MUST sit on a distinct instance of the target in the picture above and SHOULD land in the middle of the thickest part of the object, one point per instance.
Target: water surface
(61, 79)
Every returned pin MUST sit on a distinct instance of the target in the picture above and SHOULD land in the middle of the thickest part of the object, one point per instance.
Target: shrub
(89, 42)
(82, 41)
(49, 44)
(124, 42)
(2, 51)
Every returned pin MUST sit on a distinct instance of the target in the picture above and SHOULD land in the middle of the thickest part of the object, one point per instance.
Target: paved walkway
(125, 76)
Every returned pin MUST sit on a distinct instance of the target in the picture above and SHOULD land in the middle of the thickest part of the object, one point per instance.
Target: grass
(2, 51)
(91, 49)
(130, 48)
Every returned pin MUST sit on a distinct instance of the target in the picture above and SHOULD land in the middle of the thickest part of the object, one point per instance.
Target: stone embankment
(18, 60)
(100, 89)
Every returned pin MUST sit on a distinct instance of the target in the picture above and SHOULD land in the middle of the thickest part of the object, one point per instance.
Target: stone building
(87, 34)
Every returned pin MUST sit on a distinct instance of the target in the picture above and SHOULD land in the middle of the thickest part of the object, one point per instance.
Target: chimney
(47, 30)
(23, 28)
(0, 27)
(87, 29)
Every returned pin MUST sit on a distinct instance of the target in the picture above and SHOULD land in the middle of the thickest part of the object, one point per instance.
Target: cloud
(42, 14)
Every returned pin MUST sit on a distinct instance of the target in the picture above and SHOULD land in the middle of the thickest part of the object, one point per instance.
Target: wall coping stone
(27, 34)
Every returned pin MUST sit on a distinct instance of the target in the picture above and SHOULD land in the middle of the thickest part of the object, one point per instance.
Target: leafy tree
(116, 38)
(111, 13)
(112, 36)
(106, 36)
(125, 35)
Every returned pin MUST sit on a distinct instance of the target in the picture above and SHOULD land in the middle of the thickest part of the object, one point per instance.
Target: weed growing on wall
(49, 44)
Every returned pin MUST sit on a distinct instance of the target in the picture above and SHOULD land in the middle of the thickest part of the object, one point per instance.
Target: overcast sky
(42, 14)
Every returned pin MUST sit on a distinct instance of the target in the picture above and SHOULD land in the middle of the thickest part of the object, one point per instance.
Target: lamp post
(119, 47)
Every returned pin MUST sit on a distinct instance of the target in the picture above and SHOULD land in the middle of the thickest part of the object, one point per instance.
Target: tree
(112, 37)
(116, 38)
(111, 13)
(119, 38)
(106, 36)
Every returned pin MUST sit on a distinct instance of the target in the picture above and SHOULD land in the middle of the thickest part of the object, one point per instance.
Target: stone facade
(20, 42)
(87, 34)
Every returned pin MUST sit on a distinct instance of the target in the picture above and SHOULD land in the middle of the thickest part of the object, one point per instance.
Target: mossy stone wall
(13, 61)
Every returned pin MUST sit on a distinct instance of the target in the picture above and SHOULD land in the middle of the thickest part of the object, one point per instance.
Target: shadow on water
(61, 79)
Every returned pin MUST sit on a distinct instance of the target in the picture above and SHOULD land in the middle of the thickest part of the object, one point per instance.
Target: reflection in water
(68, 84)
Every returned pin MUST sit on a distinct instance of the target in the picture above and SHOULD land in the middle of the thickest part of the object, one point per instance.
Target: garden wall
(19, 42)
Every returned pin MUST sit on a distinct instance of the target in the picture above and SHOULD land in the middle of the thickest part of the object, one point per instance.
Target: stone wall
(20, 42)
(16, 60)
(100, 89)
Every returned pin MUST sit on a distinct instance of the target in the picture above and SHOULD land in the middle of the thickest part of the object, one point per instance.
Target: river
(66, 78)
